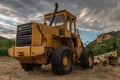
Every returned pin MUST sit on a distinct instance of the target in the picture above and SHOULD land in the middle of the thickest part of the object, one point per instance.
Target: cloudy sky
(94, 15)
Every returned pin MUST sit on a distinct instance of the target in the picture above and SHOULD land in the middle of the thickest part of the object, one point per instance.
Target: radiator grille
(24, 35)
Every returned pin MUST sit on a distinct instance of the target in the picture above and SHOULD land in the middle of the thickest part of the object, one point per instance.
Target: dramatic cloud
(97, 15)
(102, 18)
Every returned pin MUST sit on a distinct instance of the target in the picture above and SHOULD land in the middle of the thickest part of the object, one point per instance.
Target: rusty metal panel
(22, 51)
(38, 50)
(11, 52)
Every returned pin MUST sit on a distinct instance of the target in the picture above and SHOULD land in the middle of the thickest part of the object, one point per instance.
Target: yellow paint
(11, 51)
(65, 61)
(90, 60)
(36, 51)
(47, 37)
(22, 50)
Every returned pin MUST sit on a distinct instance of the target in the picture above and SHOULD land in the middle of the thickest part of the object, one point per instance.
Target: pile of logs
(107, 58)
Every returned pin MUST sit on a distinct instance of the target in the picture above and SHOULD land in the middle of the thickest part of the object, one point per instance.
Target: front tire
(62, 60)
(87, 59)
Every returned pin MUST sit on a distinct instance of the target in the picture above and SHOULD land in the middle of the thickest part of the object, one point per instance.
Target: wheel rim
(90, 60)
(65, 61)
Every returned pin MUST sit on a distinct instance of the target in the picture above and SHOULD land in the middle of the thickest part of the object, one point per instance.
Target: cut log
(119, 61)
(113, 61)
(104, 58)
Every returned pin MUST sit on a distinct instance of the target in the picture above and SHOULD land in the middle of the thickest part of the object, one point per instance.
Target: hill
(105, 43)
(4, 45)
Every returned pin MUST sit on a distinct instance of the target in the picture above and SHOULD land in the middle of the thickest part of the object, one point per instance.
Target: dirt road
(10, 69)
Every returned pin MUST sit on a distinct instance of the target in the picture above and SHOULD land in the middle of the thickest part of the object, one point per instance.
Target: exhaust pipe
(56, 8)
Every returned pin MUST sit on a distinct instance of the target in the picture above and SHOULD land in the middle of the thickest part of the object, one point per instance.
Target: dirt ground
(10, 69)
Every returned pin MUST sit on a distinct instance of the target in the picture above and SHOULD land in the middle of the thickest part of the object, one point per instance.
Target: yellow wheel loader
(55, 42)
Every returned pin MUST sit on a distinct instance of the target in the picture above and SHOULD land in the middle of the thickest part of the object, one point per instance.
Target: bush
(4, 45)
(104, 47)
(3, 51)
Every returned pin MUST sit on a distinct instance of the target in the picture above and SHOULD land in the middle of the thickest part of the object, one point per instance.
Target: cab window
(73, 26)
(58, 20)
(68, 23)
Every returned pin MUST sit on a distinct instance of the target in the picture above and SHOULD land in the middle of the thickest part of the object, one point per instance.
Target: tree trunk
(105, 58)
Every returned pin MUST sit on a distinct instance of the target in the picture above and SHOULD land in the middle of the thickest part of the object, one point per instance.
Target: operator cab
(62, 19)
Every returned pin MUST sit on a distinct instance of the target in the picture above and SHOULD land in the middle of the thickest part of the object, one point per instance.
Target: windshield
(58, 20)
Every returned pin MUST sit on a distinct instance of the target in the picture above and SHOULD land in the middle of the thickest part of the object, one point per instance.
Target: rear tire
(26, 66)
(62, 60)
(87, 59)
